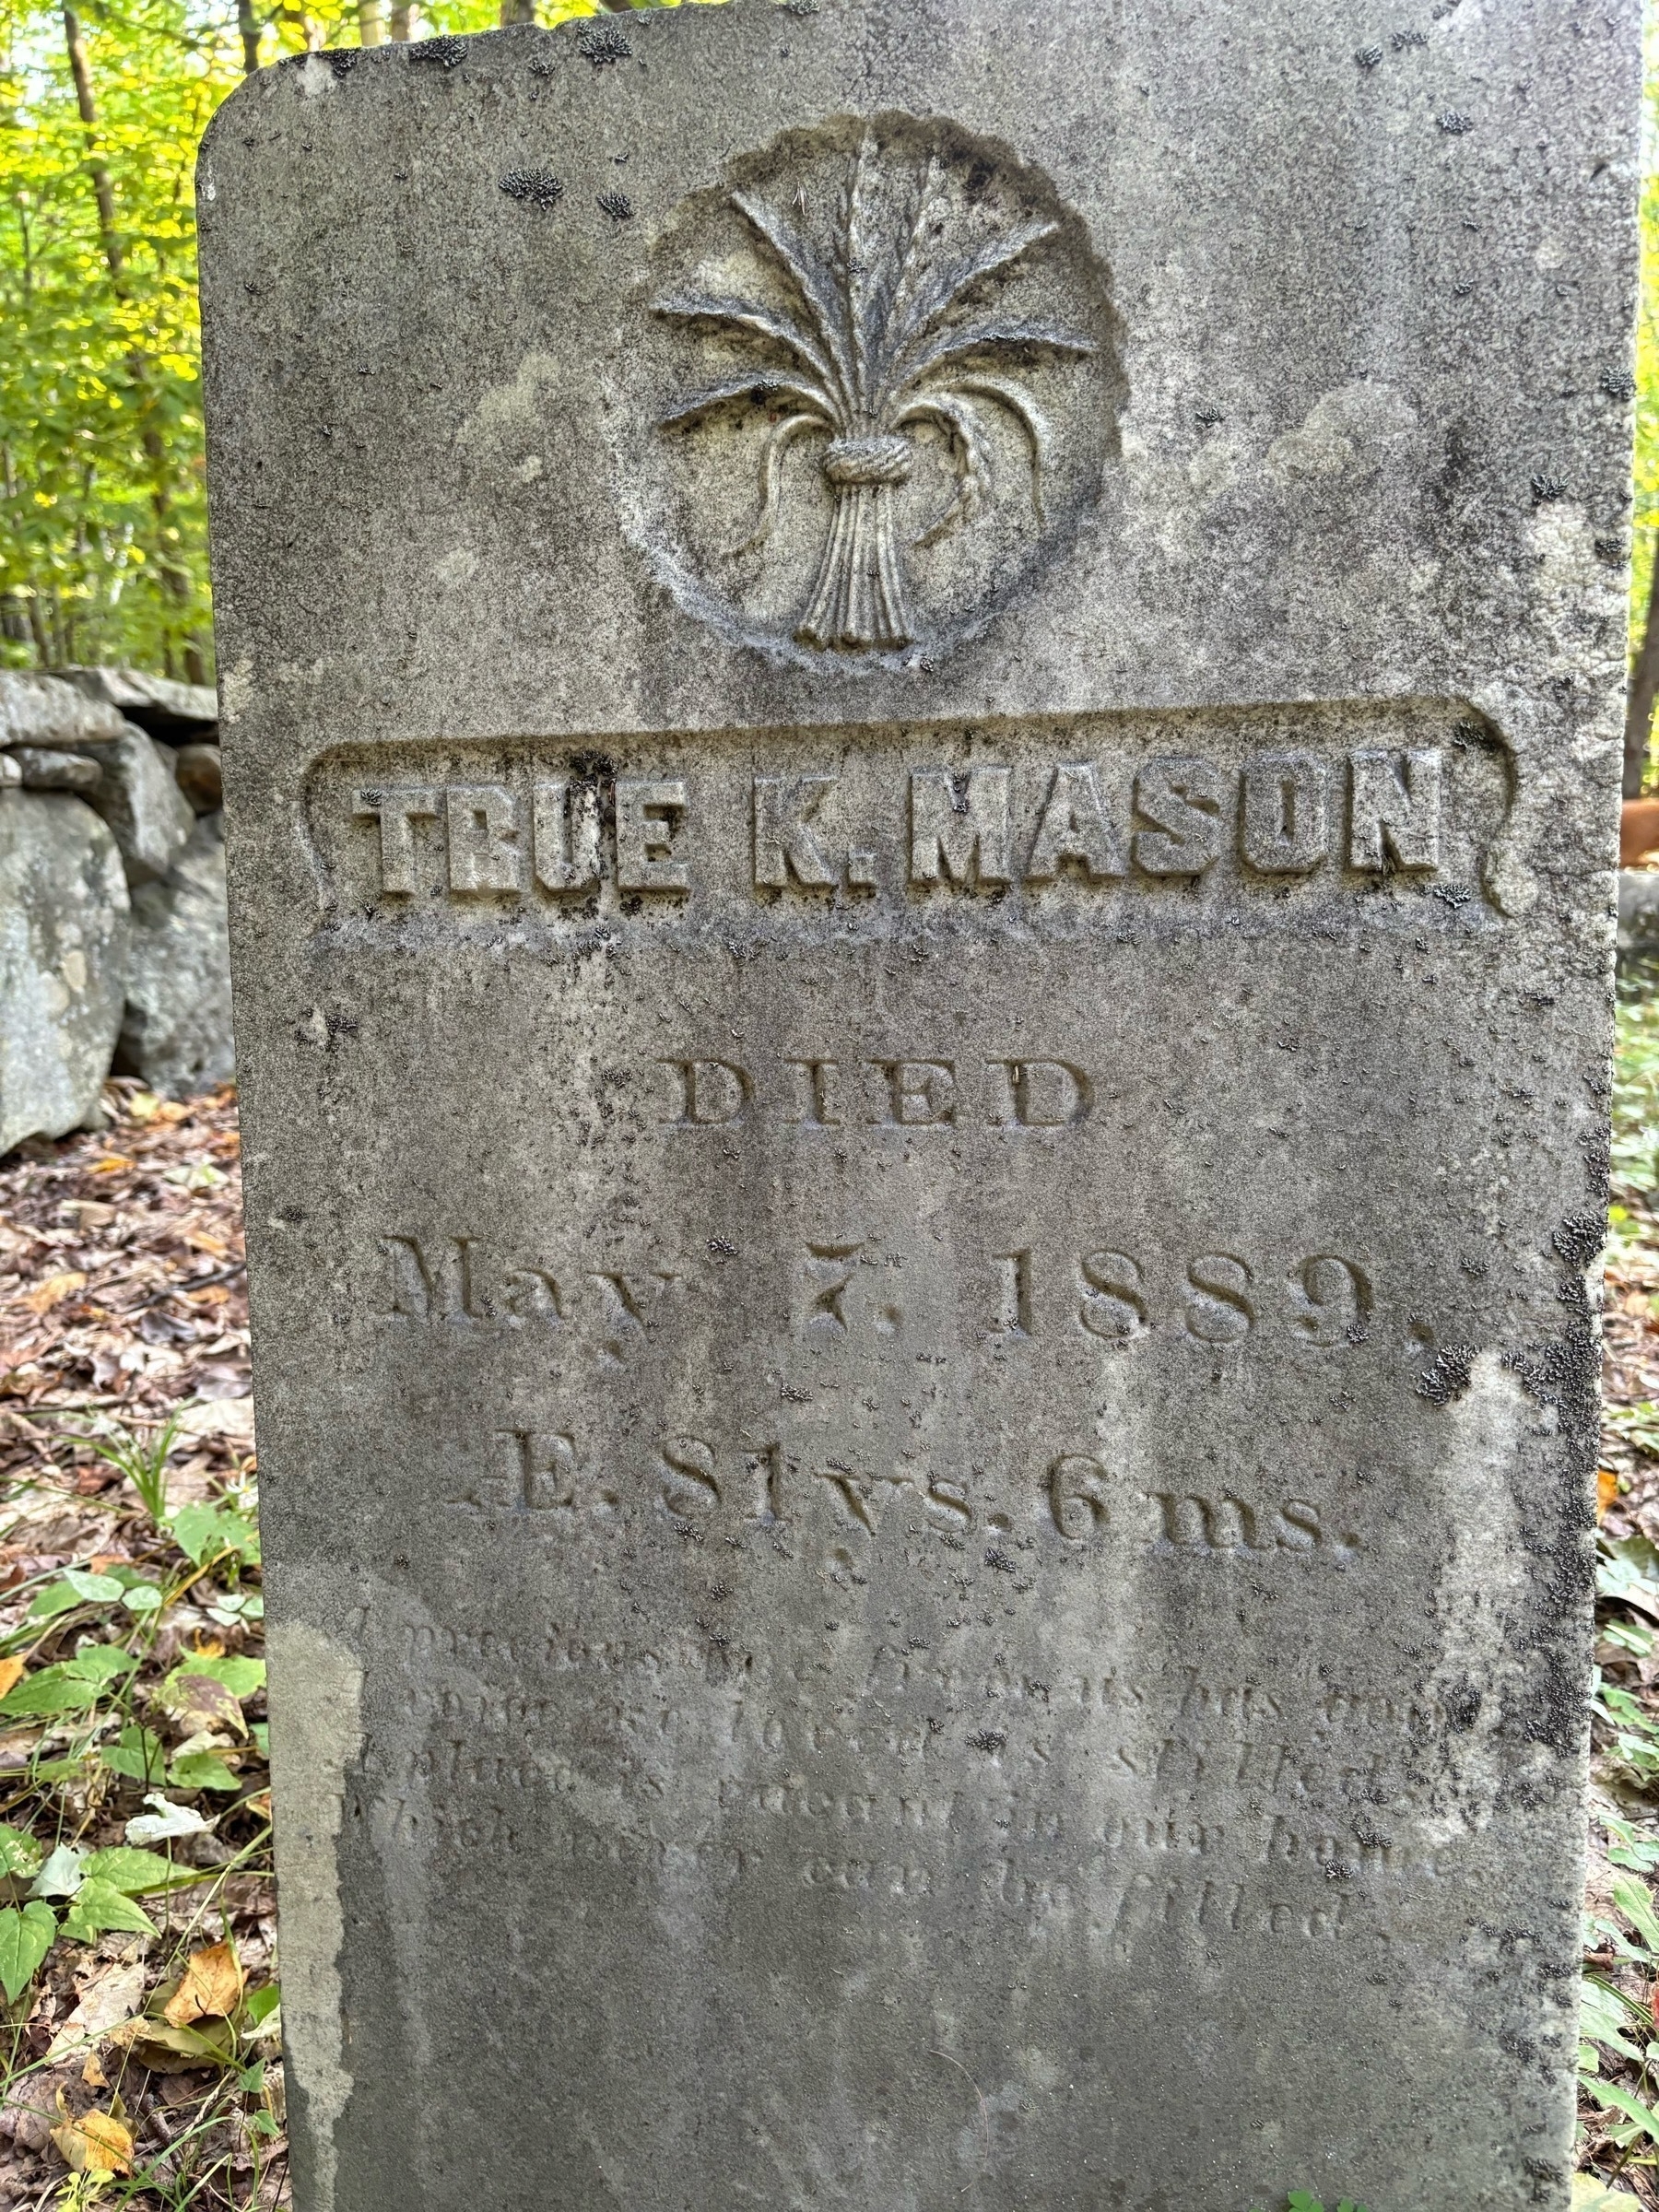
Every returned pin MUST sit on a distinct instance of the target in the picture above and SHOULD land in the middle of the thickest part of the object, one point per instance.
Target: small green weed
(1300, 2200)
(142, 1462)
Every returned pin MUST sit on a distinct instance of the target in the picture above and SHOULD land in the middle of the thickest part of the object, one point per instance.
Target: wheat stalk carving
(880, 333)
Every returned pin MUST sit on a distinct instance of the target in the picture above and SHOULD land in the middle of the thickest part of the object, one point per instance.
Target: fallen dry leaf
(11, 1673)
(96, 2143)
(1607, 1490)
(54, 1291)
(114, 1995)
(201, 1702)
(164, 2049)
(212, 1985)
(92, 2073)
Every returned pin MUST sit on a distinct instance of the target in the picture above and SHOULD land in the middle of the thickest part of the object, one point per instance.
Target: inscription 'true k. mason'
(1361, 798)
(956, 829)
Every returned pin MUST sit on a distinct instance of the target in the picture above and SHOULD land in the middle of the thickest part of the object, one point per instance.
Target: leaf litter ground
(141, 2052)
(137, 1911)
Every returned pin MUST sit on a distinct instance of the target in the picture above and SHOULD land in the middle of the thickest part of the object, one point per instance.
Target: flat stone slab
(922, 730)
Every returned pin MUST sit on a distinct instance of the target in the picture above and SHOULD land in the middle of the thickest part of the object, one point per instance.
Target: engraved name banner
(1049, 825)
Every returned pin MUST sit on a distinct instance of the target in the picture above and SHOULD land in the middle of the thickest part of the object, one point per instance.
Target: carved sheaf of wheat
(876, 335)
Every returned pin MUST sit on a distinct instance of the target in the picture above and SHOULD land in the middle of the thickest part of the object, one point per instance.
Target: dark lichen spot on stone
(1463, 1702)
(343, 60)
(446, 52)
(536, 187)
(1580, 1238)
(1369, 56)
(1449, 1377)
(617, 206)
(1453, 123)
(1402, 39)
(602, 43)
(1547, 487)
(1617, 383)
(988, 1739)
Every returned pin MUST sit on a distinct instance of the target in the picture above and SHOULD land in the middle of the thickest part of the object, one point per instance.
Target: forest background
(103, 541)
(102, 507)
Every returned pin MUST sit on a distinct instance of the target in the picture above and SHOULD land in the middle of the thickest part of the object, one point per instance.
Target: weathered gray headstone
(922, 725)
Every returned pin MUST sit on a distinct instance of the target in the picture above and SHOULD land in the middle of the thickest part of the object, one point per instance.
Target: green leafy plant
(1300, 2200)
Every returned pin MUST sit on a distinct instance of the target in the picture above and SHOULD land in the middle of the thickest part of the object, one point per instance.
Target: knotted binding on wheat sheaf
(878, 334)
(859, 599)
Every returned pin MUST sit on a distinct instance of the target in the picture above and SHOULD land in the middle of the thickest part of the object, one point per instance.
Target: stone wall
(113, 954)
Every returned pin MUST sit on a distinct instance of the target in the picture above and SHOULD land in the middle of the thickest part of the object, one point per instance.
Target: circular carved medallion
(875, 388)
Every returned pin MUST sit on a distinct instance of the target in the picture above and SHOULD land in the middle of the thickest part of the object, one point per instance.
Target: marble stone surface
(920, 718)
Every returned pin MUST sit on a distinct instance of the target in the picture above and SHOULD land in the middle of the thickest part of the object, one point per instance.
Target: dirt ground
(142, 2059)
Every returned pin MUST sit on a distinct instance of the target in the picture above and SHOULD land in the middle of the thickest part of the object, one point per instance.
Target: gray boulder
(157, 704)
(198, 770)
(140, 799)
(176, 1033)
(64, 929)
(42, 709)
(1638, 910)
(42, 769)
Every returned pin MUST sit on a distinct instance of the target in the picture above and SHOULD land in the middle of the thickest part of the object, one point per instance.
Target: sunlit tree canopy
(102, 104)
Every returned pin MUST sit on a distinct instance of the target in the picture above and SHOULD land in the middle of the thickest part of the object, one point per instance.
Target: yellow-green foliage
(1646, 533)
(103, 518)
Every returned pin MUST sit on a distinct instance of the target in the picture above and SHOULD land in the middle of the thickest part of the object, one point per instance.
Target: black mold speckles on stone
(1617, 383)
(617, 206)
(1453, 123)
(445, 54)
(1207, 417)
(988, 1739)
(538, 187)
(343, 60)
(1449, 1375)
(1545, 489)
(1404, 39)
(603, 42)
(1462, 1701)
(1580, 1238)
(1369, 56)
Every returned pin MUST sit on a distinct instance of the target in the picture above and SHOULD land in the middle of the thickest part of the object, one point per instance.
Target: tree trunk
(1644, 690)
(102, 191)
(175, 583)
(399, 21)
(371, 23)
(247, 24)
(518, 11)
